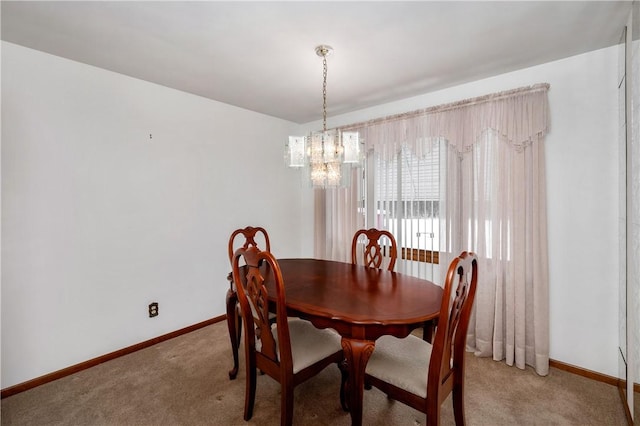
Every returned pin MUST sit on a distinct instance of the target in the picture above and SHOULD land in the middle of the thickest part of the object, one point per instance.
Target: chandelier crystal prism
(324, 153)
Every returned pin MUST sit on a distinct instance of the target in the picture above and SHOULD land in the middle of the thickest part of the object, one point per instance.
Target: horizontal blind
(407, 200)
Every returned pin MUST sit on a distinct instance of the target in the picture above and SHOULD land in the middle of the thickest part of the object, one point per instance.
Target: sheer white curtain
(496, 206)
(338, 214)
(492, 201)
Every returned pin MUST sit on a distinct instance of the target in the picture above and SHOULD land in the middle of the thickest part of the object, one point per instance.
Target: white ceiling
(261, 55)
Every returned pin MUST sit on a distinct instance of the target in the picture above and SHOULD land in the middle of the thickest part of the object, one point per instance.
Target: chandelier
(326, 154)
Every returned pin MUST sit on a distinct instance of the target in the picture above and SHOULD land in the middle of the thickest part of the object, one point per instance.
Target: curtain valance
(520, 116)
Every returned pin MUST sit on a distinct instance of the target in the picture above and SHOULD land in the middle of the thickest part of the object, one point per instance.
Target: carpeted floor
(184, 381)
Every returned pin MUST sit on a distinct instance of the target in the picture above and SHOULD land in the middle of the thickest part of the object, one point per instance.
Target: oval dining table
(360, 303)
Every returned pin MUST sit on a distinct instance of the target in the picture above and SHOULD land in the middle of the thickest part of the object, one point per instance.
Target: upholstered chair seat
(402, 362)
(309, 344)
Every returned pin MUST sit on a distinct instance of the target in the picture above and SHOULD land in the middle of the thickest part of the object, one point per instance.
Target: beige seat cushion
(402, 362)
(310, 344)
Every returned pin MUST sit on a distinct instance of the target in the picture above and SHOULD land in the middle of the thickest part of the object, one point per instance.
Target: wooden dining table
(360, 303)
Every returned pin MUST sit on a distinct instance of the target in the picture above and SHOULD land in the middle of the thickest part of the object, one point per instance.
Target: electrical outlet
(153, 310)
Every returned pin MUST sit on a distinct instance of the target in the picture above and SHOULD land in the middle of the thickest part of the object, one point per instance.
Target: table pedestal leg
(357, 353)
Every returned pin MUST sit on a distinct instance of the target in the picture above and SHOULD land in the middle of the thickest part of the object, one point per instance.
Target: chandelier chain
(324, 92)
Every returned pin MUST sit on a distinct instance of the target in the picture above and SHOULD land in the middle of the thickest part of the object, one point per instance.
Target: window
(405, 199)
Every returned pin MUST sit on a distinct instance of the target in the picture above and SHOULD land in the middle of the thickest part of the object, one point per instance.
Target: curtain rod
(449, 106)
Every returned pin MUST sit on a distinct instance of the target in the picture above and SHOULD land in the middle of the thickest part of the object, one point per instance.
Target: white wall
(99, 219)
(582, 188)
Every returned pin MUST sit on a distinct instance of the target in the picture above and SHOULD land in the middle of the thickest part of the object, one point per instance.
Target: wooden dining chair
(378, 247)
(420, 374)
(290, 352)
(244, 237)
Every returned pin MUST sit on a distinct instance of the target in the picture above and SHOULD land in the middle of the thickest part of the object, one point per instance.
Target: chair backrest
(376, 245)
(251, 267)
(250, 234)
(446, 367)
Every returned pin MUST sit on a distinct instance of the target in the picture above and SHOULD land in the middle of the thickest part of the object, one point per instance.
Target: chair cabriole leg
(234, 329)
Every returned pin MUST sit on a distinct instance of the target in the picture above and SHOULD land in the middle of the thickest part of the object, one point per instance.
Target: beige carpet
(184, 381)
